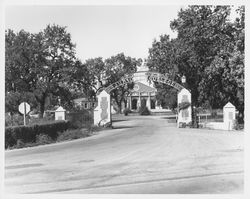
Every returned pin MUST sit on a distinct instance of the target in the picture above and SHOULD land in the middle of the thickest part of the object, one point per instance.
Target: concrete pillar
(60, 113)
(148, 102)
(229, 113)
(139, 101)
(184, 116)
(102, 113)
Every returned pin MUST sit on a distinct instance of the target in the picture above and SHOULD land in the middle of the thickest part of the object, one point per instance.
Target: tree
(209, 51)
(38, 63)
(203, 32)
(96, 68)
(117, 67)
(14, 99)
(81, 80)
(224, 78)
(162, 58)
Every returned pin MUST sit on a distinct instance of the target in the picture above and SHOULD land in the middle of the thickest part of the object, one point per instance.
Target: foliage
(209, 51)
(13, 120)
(162, 59)
(126, 111)
(143, 110)
(43, 139)
(29, 133)
(117, 67)
(83, 80)
(49, 117)
(96, 68)
(80, 119)
(96, 74)
(238, 126)
(39, 63)
(14, 99)
(73, 134)
(193, 124)
(182, 125)
(166, 96)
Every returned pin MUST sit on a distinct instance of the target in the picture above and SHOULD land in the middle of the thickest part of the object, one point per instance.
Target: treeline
(209, 51)
(40, 68)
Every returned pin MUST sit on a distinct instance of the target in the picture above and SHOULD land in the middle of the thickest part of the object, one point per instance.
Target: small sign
(24, 108)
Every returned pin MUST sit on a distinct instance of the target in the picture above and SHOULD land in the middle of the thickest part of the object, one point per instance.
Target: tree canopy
(209, 51)
(117, 67)
(96, 74)
(38, 63)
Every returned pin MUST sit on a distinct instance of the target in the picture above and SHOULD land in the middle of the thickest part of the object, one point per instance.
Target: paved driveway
(140, 155)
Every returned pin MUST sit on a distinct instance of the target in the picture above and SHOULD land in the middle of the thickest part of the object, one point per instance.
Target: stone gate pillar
(185, 115)
(60, 113)
(102, 113)
(229, 116)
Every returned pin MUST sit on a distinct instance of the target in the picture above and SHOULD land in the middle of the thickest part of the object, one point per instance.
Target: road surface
(142, 154)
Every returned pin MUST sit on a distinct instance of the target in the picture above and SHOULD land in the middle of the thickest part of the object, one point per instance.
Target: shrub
(193, 124)
(13, 120)
(20, 144)
(29, 133)
(237, 125)
(44, 120)
(182, 125)
(126, 111)
(144, 111)
(72, 134)
(81, 119)
(43, 139)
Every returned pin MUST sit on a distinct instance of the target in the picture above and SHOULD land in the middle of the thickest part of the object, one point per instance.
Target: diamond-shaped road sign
(24, 108)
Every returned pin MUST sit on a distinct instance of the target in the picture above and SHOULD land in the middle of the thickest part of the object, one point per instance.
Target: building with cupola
(143, 93)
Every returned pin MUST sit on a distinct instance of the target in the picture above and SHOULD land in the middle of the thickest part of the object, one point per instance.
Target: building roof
(83, 99)
(140, 87)
(229, 105)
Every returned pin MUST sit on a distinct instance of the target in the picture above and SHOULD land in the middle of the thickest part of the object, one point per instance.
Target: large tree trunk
(41, 104)
(42, 109)
(119, 104)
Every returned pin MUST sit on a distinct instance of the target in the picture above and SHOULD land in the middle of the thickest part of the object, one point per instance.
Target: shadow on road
(123, 127)
(114, 120)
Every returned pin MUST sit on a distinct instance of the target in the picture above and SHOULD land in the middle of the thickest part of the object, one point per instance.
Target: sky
(99, 31)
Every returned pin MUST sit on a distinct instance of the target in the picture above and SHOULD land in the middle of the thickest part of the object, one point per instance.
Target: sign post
(24, 108)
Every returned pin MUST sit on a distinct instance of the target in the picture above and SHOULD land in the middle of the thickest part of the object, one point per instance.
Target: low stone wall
(220, 125)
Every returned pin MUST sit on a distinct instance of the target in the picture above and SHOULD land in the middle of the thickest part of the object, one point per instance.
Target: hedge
(81, 119)
(29, 133)
(144, 110)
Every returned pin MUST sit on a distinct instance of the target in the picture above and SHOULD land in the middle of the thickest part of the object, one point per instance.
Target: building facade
(143, 93)
(85, 103)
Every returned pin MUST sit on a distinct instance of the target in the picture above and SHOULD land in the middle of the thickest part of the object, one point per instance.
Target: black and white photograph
(124, 98)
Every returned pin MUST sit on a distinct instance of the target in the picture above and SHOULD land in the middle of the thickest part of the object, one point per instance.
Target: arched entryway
(102, 114)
